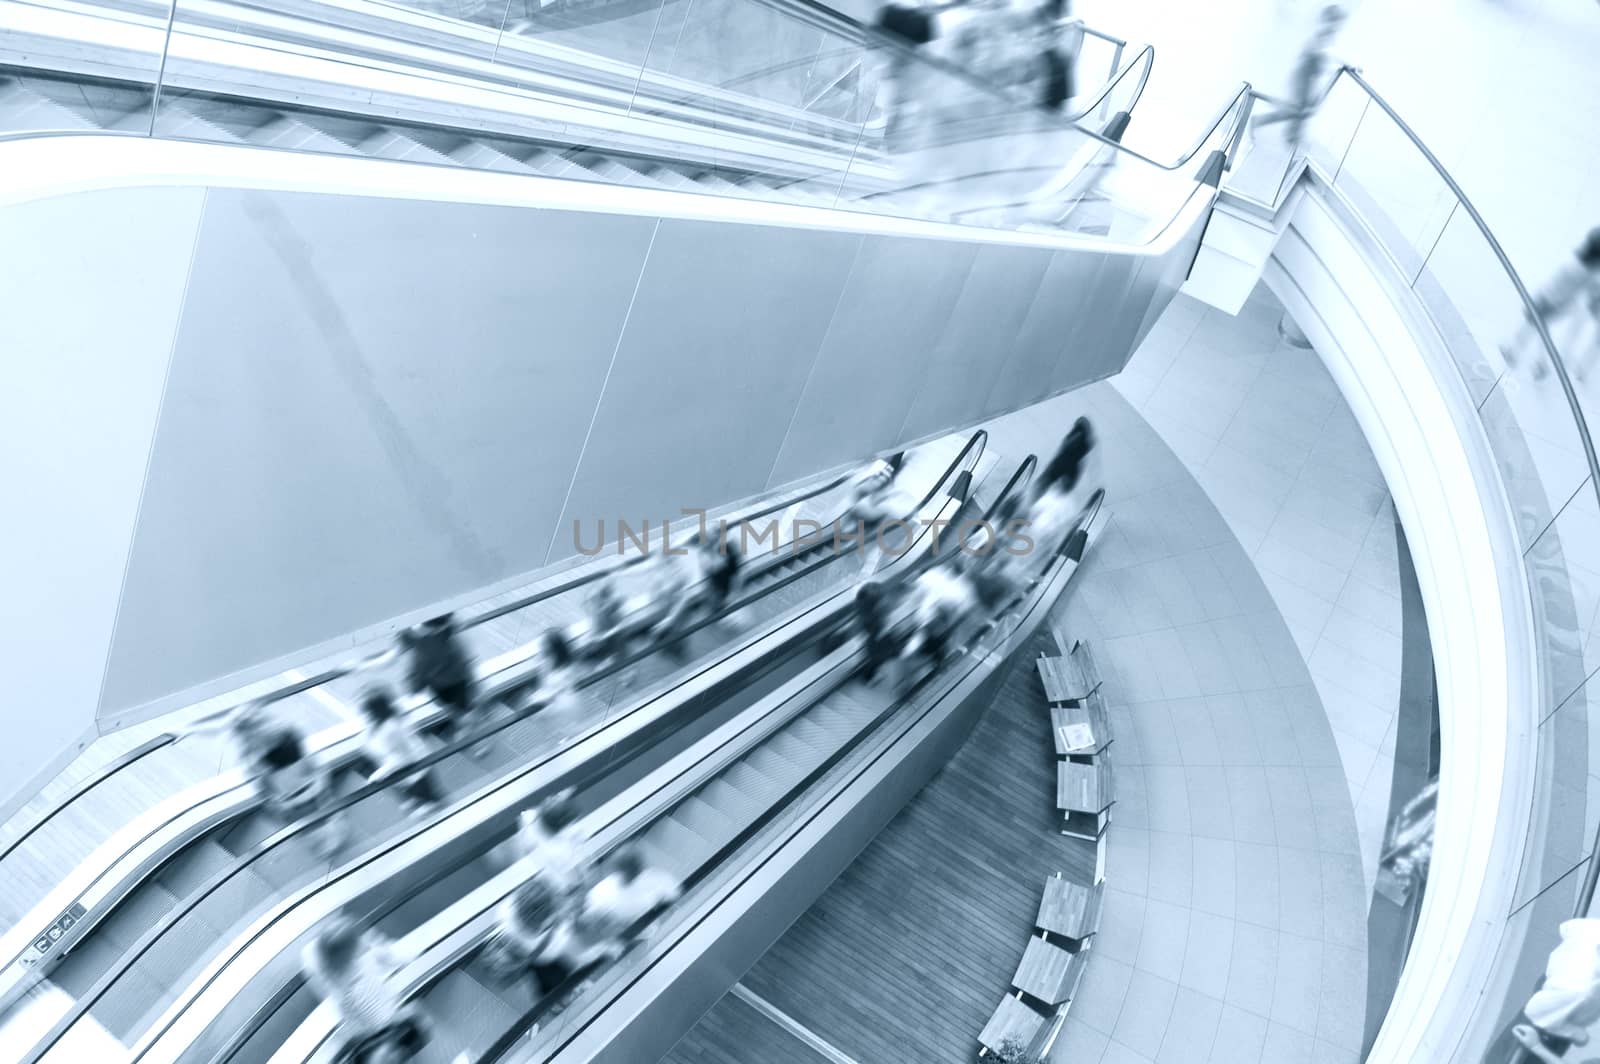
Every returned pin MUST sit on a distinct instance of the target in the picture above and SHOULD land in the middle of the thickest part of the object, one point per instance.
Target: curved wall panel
(383, 386)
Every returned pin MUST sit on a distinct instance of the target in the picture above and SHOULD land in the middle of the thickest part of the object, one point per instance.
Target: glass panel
(1564, 575)
(1396, 190)
(542, 44)
(75, 68)
(1334, 126)
(1565, 807)
(1474, 304)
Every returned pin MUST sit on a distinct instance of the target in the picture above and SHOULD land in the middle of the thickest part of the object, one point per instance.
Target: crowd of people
(1026, 47)
(923, 617)
(576, 910)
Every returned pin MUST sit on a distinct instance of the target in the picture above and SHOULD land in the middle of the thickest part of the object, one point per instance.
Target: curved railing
(1534, 419)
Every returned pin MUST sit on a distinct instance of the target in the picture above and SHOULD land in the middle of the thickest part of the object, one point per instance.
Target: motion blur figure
(876, 500)
(1309, 75)
(292, 784)
(353, 969)
(879, 618)
(1061, 39)
(1062, 490)
(602, 629)
(1574, 290)
(705, 578)
(557, 694)
(390, 745)
(626, 894)
(437, 664)
(550, 838)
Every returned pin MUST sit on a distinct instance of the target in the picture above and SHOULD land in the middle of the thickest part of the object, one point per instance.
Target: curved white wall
(1399, 380)
(305, 395)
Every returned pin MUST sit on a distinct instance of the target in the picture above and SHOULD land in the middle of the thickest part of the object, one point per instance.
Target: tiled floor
(1264, 430)
(1235, 920)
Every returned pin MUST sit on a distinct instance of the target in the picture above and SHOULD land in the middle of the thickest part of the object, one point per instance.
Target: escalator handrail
(975, 447)
(977, 442)
(263, 1015)
(300, 686)
(532, 1016)
(876, 38)
(517, 1031)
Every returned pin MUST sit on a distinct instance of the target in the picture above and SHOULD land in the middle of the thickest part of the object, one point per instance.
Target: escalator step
(198, 862)
(468, 1017)
(724, 797)
(149, 902)
(681, 849)
(760, 786)
(706, 820)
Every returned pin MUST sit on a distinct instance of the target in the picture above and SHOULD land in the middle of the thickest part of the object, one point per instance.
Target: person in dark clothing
(722, 574)
(1066, 466)
(437, 664)
(874, 614)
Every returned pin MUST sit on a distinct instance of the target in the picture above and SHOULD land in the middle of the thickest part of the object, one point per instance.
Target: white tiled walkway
(1264, 430)
(1235, 920)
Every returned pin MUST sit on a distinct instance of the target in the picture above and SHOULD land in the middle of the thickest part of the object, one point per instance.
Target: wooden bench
(1084, 794)
(1070, 677)
(1013, 1019)
(1069, 911)
(1082, 730)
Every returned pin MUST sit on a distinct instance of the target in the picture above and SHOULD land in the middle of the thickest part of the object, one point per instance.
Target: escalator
(793, 741)
(144, 954)
(220, 816)
(696, 818)
(799, 121)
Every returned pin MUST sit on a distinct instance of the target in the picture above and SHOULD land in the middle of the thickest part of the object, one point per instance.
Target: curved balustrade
(1534, 420)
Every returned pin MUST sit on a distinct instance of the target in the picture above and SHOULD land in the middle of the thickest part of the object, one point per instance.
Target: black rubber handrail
(975, 443)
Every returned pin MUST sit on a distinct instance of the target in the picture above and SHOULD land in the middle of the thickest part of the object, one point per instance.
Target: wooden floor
(735, 1033)
(908, 952)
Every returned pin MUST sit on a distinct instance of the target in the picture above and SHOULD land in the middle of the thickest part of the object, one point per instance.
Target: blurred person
(438, 665)
(556, 695)
(626, 893)
(550, 837)
(1061, 41)
(600, 634)
(1305, 83)
(876, 500)
(943, 601)
(879, 618)
(724, 565)
(293, 785)
(390, 745)
(353, 969)
(525, 922)
(1575, 287)
(1565, 1006)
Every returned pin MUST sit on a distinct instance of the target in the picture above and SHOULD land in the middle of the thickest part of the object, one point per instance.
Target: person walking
(1574, 290)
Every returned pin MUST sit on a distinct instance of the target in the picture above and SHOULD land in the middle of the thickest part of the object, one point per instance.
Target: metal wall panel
(721, 337)
(88, 306)
(894, 308)
(374, 405)
(978, 337)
